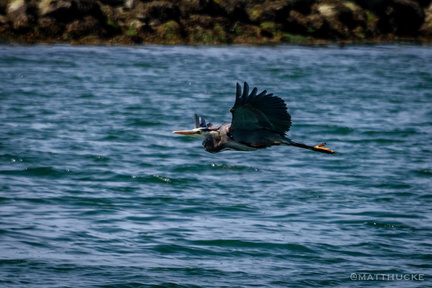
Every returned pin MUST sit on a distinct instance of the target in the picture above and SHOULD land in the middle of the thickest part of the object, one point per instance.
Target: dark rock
(72, 20)
(235, 10)
(373, 5)
(88, 26)
(3, 21)
(112, 2)
(65, 11)
(314, 25)
(17, 14)
(401, 17)
(426, 29)
(302, 6)
(161, 10)
(271, 11)
(425, 3)
(278, 11)
(376, 5)
(351, 16)
(3, 7)
(49, 27)
(207, 7)
(62, 11)
(245, 33)
(343, 20)
(405, 15)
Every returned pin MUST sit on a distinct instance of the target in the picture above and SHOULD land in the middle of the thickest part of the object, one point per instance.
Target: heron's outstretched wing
(254, 111)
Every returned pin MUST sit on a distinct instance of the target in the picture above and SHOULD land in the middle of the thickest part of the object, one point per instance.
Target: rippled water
(95, 191)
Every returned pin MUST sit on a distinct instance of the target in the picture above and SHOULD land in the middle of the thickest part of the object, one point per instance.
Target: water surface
(95, 191)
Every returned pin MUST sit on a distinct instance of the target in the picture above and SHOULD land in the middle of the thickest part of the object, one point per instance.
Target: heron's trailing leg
(317, 148)
(321, 148)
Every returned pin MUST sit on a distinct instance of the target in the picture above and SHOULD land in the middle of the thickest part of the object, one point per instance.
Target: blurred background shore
(214, 22)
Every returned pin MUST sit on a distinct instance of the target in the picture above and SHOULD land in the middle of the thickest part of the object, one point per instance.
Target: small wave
(388, 225)
(223, 166)
(86, 95)
(37, 171)
(342, 130)
(11, 158)
(423, 172)
(160, 179)
(391, 133)
(143, 123)
(213, 166)
(234, 243)
(386, 214)
(183, 249)
(97, 158)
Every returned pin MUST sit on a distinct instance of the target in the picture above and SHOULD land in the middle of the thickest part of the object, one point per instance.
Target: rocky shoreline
(214, 22)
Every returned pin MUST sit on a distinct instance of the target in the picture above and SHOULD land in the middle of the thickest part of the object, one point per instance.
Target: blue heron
(258, 121)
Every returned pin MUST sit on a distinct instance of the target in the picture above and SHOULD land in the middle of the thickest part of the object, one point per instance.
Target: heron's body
(259, 121)
(220, 139)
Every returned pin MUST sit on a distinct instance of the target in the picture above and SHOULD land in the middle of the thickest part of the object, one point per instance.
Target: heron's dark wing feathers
(262, 111)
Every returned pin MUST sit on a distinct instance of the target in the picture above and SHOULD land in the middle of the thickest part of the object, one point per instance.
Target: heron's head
(200, 132)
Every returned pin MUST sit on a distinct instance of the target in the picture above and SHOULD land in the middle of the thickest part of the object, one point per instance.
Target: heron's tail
(318, 148)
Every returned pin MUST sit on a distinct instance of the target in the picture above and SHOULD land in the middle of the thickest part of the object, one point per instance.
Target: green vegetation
(170, 32)
(296, 39)
(131, 31)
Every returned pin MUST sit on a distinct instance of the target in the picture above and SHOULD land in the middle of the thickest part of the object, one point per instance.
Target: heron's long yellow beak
(185, 132)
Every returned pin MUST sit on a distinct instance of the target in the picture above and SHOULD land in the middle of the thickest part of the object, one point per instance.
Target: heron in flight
(258, 121)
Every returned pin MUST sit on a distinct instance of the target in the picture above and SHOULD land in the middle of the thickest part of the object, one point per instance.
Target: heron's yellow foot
(321, 147)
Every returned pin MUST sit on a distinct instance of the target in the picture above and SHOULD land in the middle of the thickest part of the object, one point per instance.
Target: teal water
(95, 191)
